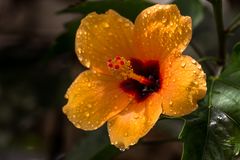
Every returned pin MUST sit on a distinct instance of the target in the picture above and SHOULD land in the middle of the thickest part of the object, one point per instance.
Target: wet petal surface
(101, 37)
(134, 122)
(183, 84)
(93, 99)
(159, 31)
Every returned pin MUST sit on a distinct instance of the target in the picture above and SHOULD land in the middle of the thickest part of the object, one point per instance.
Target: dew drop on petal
(136, 116)
(106, 25)
(193, 61)
(87, 64)
(126, 134)
(183, 64)
(80, 58)
(87, 114)
(170, 103)
(126, 24)
(120, 20)
(122, 149)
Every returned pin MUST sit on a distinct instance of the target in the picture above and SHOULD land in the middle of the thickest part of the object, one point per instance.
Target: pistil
(122, 68)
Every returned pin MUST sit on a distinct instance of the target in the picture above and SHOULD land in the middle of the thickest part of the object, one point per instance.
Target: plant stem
(217, 8)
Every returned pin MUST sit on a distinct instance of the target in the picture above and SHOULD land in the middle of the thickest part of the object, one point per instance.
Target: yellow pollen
(122, 68)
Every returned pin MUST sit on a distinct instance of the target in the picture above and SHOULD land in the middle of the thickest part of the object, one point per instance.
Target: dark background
(33, 82)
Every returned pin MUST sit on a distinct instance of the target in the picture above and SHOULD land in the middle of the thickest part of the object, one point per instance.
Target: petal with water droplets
(101, 37)
(159, 31)
(183, 84)
(134, 122)
(93, 99)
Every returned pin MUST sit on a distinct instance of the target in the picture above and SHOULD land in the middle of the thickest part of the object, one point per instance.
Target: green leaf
(193, 8)
(127, 8)
(94, 147)
(213, 131)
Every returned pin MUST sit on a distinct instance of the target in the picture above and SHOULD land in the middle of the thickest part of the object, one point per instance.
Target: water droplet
(74, 116)
(80, 58)
(164, 20)
(120, 20)
(196, 83)
(193, 61)
(87, 114)
(87, 63)
(170, 103)
(199, 67)
(183, 64)
(89, 84)
(89, 106)
(126, 24)
(106, 25)
(136, 116)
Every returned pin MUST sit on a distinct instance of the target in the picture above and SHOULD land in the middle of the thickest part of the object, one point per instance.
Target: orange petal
(134, 122)
(183, 84)
(101, 37)
(160, 30)
(93, 99)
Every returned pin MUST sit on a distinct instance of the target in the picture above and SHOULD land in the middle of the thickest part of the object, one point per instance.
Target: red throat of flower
(139, 79)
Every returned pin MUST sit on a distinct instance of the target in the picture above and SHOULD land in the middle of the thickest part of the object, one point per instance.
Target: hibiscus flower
(136, 73)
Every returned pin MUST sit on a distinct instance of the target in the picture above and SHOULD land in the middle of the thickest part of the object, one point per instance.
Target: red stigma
(116, 66)
(110, 65)
(118, 57)
(122, 62)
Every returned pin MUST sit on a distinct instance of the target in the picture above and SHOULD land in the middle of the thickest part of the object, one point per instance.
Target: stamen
(122, 68)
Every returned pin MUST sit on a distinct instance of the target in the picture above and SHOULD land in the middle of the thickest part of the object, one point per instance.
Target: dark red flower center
(149, 70)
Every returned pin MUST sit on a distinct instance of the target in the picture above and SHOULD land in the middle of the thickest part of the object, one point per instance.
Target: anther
(122, 68)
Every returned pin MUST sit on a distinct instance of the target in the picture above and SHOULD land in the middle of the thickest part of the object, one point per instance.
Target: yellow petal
(101, 37)
(134, 122)
(159, 31)
(93, 99)
(183, 84)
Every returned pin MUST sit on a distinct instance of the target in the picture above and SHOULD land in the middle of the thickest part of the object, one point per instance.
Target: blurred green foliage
(95, 146)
